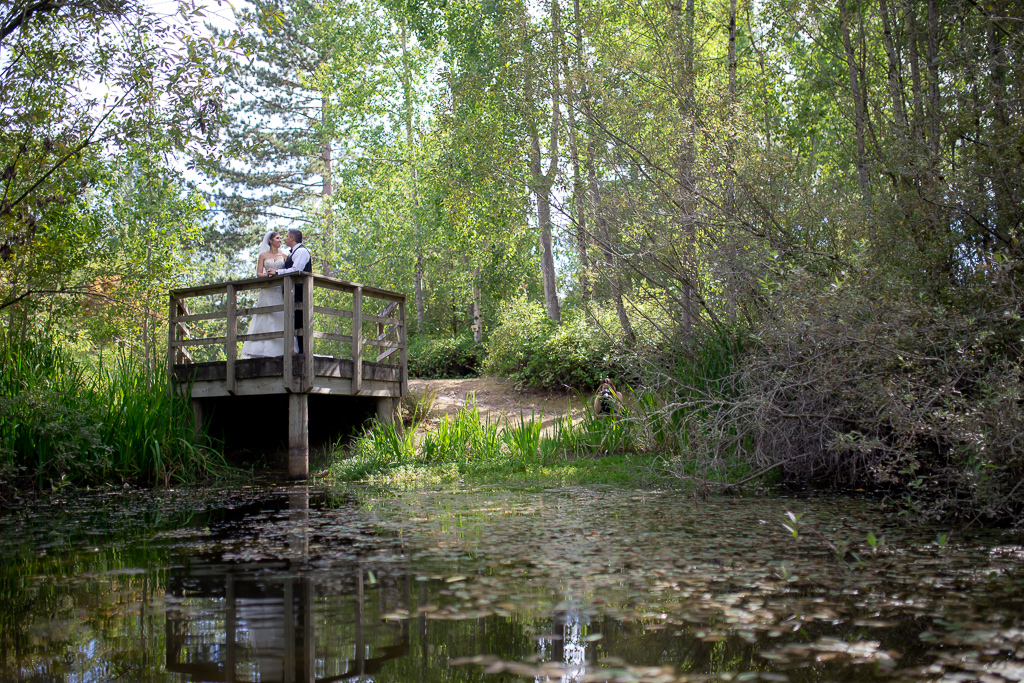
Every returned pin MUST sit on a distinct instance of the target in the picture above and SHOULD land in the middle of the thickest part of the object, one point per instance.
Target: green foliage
(466, 446)
(531, 350)
(57, 423)
(441, 358)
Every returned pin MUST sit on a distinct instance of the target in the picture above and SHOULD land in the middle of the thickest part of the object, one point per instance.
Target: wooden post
(230, 343)
(231, 626)
(307, 333)
(298, 435)
(289, 630)
(172, 312)
(403, 352)
(289, 332)
(357, 339)
(386, 410)
(197, 418)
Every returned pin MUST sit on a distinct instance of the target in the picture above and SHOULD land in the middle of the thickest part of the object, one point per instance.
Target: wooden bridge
(354, 338)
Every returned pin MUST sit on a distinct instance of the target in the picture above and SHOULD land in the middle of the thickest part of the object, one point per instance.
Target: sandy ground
(496, 399)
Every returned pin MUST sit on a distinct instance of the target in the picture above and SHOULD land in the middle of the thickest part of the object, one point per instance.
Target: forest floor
(497, 400)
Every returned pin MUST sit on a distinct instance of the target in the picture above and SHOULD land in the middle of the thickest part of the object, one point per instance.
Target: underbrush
(445, 358)
(528, 348)
(863, 385)
(61, 424)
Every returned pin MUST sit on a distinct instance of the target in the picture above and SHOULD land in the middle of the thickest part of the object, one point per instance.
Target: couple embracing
(272, 261)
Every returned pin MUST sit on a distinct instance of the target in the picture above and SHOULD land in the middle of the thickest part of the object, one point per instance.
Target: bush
(531, 350)
(445, 358)
(864, 385)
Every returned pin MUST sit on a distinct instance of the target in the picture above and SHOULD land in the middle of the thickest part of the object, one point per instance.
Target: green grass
(466, 447)
(61, 423)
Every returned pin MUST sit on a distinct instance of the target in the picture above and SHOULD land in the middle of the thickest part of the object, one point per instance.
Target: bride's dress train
(267, 322)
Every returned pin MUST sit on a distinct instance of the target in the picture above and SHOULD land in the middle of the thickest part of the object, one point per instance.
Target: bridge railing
(336, 319)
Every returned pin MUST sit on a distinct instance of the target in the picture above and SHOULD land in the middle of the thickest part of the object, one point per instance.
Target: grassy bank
(466, 447)
(64, 422)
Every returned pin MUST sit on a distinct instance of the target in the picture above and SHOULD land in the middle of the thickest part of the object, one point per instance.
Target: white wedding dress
(267, 322)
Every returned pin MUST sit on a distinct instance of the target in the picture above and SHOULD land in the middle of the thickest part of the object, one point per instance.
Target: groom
(299, 261)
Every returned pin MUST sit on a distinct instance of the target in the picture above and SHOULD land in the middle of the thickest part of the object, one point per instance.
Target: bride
(270, 256)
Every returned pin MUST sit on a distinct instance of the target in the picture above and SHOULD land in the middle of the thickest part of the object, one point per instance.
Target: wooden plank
(384, 320)
(230, 345)
(387, 353)
(260, 336)
(404, 357)
(199, 342)
(339, 312)
(258, 310)
(385, 333)
(357, 339)
(345, 338)
(216, 315)
(262, 386)
(307, 332)
(200, 290)
(333, 285)
(342, 387)
(289, 329)
(383, 343)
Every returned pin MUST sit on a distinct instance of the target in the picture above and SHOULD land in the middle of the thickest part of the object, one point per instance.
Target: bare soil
(496, 399)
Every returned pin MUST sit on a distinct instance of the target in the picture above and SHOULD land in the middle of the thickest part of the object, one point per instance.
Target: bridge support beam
(298, 436)
(386, 410)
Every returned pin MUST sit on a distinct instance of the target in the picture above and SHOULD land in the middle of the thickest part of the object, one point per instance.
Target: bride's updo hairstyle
(272, 235)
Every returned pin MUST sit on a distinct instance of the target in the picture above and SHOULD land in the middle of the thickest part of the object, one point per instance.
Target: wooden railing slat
(198, 342)
(215, 315)
(330, 336)
(339, 312)
(387, 353)
(261, 336)
(258, 310)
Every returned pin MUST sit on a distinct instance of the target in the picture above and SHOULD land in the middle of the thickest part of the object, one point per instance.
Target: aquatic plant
(61, 423)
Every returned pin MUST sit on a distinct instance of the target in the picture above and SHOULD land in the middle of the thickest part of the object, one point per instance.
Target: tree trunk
(894, 74)
(478, 319)
(414, 190)
(604, 239)
(730, 189)
(542, 181)
(934, 99)
(859, 114)
(683, 24)
(578, 215)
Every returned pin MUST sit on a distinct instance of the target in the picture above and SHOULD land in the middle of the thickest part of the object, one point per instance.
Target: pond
(271, 583)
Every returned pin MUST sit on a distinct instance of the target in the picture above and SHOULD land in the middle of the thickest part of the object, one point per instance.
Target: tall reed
(61, 423)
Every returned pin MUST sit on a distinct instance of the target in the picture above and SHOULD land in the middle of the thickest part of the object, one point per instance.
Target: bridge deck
(354, 338)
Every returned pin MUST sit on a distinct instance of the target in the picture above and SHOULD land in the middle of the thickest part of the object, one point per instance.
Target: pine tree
(276, 163)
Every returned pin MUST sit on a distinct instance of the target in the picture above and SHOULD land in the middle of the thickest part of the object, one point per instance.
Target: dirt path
(496, 399)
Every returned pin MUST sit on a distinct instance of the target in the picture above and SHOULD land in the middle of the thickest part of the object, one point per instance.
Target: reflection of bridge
(354, 339)
(269, 622)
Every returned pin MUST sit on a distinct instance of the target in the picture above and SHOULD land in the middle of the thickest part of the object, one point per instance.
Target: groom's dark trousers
(300, 288)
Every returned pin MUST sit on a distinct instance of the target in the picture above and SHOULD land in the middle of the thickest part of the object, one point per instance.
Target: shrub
(445, 358)
(863, 384)
(531, 350)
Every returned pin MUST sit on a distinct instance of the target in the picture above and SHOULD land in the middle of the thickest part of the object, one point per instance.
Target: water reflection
(270, 621)
(293, 586)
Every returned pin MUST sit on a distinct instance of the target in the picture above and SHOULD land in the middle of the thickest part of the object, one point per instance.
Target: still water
(271, 583)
